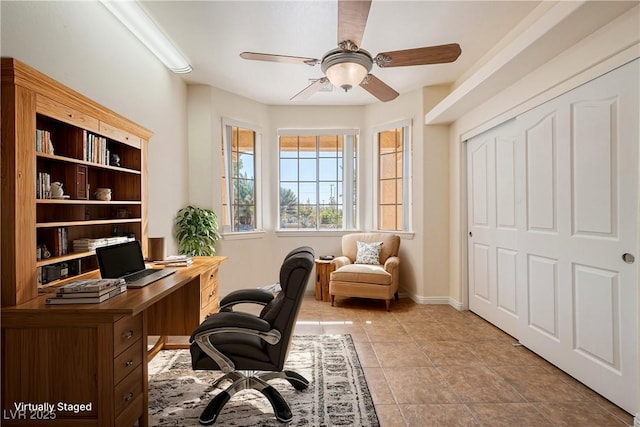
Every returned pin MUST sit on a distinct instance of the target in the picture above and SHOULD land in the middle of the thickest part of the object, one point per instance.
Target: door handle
(470, 234)
(628, 258)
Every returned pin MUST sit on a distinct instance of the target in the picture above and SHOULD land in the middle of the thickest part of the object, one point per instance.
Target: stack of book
(86, 244)
(88, 291)
(176, 261)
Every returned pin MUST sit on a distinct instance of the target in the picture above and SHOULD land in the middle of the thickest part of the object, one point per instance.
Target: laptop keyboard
(139, 275)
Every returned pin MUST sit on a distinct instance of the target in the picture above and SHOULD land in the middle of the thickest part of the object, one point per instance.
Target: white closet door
(492, 226)
(575, 192)
(580, 174)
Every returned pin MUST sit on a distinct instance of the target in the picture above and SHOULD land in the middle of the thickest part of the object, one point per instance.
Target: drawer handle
(128, 335)
(210, 294)
(128, 397)
(128, 363)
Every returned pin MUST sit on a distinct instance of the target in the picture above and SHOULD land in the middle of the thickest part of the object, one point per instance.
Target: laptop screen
(119, 260)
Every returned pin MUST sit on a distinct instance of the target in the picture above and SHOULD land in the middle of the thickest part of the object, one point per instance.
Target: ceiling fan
(349, 65)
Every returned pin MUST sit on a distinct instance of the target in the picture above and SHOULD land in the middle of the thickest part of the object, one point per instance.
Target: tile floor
(430, 365)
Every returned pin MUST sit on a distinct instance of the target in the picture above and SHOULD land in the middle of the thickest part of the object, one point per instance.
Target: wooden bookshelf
(83, 137)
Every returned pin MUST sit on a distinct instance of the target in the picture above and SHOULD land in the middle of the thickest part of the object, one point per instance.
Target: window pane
(308, 170)
(328, 192)
(307, 147)
(388, 192)
(388, 166)
(241, 202)
(330, 216)
(387, 141)
(388, 217)
(288, 170)
(307, 193)
(289, 146)
(328, 145)
(328, 169)
(245, 166)
(391, 164)
(245, 140)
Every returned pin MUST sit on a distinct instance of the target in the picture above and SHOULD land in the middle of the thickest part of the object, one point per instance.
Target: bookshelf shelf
(54, 134)
(69, 257)
(65, 159)
(87, 223)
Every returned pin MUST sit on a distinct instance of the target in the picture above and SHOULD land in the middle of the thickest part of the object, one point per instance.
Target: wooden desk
(96, 354)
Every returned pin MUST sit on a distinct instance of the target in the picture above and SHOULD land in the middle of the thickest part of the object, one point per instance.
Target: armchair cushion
(368, 253)
(362, 273)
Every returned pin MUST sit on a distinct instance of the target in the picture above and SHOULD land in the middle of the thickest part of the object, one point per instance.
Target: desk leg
(159, 345)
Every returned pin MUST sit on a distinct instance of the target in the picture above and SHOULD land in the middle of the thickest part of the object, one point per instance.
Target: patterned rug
(337, 395)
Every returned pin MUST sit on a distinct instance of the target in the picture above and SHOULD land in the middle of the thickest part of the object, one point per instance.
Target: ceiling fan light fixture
(346, 69)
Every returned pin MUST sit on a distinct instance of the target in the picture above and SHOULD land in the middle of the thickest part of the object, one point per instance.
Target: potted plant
(196, 231)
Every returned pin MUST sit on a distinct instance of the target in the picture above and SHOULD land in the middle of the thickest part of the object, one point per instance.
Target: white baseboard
(434, 300)
(636, 420)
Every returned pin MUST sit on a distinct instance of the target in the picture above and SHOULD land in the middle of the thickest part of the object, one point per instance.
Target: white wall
(107, 64)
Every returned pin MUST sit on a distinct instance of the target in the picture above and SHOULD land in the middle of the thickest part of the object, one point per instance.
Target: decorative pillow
(368, 253)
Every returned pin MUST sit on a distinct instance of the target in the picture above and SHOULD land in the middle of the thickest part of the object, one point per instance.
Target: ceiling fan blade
(352, 18)
(420, 56)
(378, 88)
(309, 90)
(279, 58)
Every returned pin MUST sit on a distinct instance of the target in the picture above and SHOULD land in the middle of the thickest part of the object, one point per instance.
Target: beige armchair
(378, 279)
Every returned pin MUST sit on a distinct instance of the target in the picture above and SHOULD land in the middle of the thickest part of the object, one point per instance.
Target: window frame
(407, 154)
(227, 229)
(350, 178)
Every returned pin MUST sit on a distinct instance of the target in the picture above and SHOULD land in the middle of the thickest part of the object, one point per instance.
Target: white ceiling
(213, 33)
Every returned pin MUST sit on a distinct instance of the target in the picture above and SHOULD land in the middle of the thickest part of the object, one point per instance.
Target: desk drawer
(133, 413)
(128, 390)
(209, 309)
(209, 278)
(127, 361)
(208, 296)
(126, 331)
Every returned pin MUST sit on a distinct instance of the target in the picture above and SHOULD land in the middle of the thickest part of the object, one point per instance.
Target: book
(176, 261)
(110, 289)
(88, 300)
(90, 285)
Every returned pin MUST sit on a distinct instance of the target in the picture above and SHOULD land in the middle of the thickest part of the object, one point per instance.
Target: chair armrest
(391, 264)
(340, 261)
(245, 296)
(231, 322)
(225, 320)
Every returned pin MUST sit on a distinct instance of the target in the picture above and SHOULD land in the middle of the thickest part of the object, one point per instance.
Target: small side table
(323, 274)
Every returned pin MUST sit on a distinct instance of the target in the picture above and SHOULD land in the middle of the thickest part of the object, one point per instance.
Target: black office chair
(231, 341)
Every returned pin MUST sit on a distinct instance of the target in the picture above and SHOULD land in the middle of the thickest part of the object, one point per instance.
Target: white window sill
(243, 235)
(313, 233)
(407, 235)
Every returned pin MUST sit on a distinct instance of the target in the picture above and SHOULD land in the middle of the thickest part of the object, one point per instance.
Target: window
(317, 179)
(239, 180)
(393, 193)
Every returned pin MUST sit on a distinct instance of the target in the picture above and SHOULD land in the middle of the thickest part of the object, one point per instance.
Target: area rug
(337, 395)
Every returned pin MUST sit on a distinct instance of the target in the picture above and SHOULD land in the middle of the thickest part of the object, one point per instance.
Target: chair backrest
(283, 310)
(390, 244)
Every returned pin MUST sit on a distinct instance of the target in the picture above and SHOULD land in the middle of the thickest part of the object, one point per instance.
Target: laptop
(125, 261)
